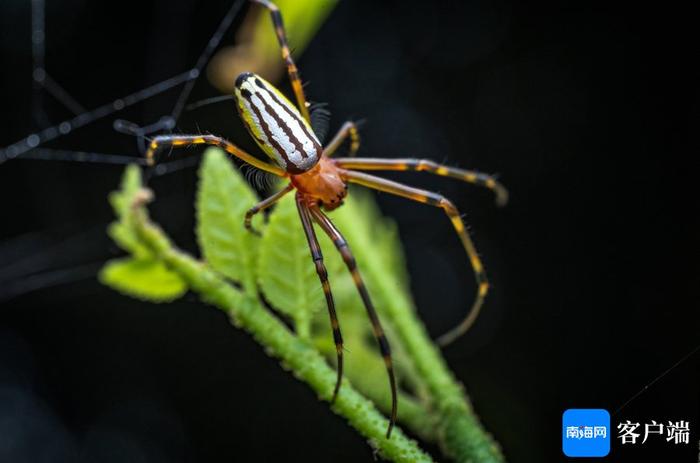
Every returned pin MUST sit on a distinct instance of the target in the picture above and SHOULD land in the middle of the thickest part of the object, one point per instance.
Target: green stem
(462, 436)
(414, 415)
(295, 354)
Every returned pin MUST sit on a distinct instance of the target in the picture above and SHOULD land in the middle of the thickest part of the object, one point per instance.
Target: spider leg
(469, 176)
(287, 56)
(317, 257)
(262, 205)
(349, 129)
(164, 141)
(349, 260)
(434, 199)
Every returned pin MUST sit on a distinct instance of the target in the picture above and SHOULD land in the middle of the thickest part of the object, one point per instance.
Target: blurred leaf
(222, 201)
(140, 276)
(286, 274)
(257, 49)
(301, 21)
(131, 183)
(373, 238)
(122, 231)
(145, 279)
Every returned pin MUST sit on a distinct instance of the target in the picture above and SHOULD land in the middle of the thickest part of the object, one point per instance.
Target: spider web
(32, 145)
(33, 261)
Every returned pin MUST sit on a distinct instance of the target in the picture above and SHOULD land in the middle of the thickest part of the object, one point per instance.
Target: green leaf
(145, 279)
(222, 201)
(373, 238)
(374, 241)
(122, 199)
(286, 274)
(122, 231)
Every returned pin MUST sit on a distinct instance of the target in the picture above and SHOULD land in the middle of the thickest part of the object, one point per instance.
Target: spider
(284, 133)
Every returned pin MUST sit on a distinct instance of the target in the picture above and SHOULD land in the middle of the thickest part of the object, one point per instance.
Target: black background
(589, 114)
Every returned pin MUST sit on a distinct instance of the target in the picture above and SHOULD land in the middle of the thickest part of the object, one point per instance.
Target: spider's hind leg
(342, 246)
(317, 257)
(437, 200)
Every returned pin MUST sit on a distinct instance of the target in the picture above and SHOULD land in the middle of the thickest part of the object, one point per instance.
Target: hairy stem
(461, 435)
(295, 354)
(414, 415)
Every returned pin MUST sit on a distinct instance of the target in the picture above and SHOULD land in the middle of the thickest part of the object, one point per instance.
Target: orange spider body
(323, 183)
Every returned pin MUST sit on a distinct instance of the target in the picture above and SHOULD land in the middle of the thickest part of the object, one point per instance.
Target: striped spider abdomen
(276, 125)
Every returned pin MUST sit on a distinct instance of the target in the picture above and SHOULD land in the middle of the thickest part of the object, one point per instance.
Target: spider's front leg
(287, 56)
(166, 141)
(262, 205)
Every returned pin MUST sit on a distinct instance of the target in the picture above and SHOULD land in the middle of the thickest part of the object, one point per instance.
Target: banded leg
(262, 205)
(349, 260)
(165, 141)
(434, 199)
(287, 56)
(349, 129)
(317, 257)
(469, 176)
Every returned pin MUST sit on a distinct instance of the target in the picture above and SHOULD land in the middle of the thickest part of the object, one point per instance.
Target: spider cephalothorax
(323, 183)
(284, 133)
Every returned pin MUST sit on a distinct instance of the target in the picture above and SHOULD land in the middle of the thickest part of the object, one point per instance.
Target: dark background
(588, 112)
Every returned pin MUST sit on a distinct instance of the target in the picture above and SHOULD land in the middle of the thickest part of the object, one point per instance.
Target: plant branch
(435, 406)
(414, 415)
(298, 356)
(461, 435)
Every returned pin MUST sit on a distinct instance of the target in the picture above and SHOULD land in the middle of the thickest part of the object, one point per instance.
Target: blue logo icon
(586, 432)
